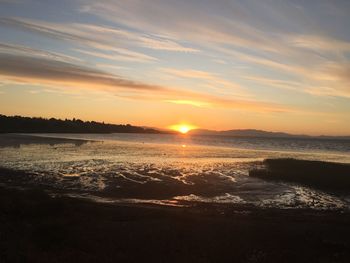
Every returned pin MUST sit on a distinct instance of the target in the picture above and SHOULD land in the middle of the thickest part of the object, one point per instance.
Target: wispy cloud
(278, 83)
(117, 55)
(323, 77)
(93, 37)
(247, 25)
(99, 37)
(159, 43)
(212, 79)
(189, 73)
(190, 102)
(282, 52)
(258, 35)
(55, 73)
(319, 43)
(24, 50)
(184, 20)
(332, 79)
(44, 70)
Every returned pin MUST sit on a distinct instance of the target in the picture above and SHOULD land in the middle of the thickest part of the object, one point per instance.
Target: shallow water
(174, 170)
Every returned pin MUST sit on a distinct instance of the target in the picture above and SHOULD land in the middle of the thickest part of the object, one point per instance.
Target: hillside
(262, 134)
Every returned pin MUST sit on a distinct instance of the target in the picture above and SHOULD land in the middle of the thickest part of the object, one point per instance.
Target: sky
(220, 64)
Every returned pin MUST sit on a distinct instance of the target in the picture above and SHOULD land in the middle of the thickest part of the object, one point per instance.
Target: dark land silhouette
(317, 174)
(19, 124)
(263, 134)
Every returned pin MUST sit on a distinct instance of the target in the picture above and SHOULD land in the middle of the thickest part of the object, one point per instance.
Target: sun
(182, 128)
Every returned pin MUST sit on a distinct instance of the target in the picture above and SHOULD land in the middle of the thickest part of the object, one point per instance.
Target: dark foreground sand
(37, 228)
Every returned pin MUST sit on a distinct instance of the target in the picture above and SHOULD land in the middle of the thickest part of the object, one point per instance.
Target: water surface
(173, 169)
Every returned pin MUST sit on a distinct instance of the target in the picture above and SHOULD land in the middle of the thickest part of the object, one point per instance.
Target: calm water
(174, 169)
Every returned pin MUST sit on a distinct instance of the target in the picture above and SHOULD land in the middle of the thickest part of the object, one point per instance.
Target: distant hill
(262, 134)
(18, 124)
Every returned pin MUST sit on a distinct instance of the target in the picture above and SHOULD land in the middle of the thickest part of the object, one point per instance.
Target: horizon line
(166, 129)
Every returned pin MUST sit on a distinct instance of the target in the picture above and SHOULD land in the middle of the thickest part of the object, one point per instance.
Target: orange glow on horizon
(182, 128)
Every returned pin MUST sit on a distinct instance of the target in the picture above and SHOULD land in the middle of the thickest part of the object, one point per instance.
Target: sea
(173, 170)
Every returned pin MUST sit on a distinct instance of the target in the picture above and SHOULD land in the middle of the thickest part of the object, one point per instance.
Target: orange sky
(214, 65)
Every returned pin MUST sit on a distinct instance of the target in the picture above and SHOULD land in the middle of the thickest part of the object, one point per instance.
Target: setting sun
(182, 128)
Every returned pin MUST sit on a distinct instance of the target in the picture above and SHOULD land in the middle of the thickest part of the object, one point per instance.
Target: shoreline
(16, 140)
(43, 138)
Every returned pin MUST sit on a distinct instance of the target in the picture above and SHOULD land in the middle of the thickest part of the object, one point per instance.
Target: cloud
(324, 78)
(190, 102)
(250, 25)
(120, 55)
(319, 43)
(152, 41)
(54, 73)
(100, 37)
(189, 73)
(164, 44)
(278, 83)
(44, 70)
(183, 97)
(19, 49)
(329, 78)
(289, 39)
(332, 79)
(257, 46)
(187, 21)
(87, 36)
(111, 67)
(208, 77)
(57, 31)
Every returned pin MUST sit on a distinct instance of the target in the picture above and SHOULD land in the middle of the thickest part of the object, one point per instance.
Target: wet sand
(35, 227)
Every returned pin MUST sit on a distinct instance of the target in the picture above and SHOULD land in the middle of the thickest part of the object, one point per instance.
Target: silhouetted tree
(18, 124)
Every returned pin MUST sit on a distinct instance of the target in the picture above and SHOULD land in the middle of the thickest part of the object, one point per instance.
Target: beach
(60, 203)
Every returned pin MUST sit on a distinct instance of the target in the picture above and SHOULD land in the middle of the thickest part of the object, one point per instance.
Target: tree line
(19, 124)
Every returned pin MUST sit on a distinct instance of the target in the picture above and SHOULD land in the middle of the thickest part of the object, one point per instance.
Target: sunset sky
(223, 64)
